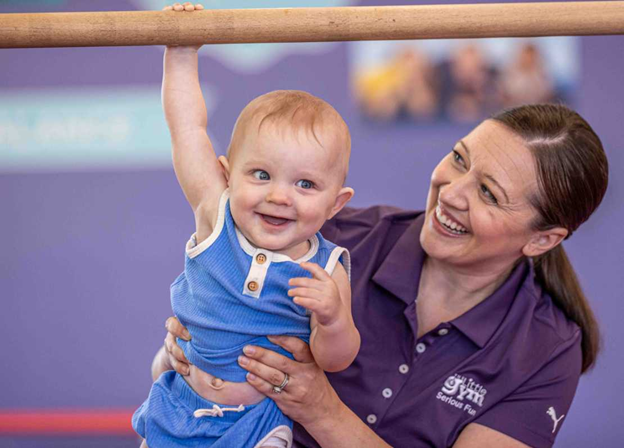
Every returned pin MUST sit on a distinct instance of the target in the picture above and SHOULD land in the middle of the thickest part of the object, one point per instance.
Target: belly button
(217, 383)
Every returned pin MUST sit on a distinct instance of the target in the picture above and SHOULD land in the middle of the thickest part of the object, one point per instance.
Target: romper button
(260, 258)
(253, 286)
(387, 392)
(420, 348)
(443, 332)
(372, 418)
(403, 368)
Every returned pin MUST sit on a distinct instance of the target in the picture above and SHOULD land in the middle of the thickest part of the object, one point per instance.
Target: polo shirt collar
(399, 273)
(480, 323)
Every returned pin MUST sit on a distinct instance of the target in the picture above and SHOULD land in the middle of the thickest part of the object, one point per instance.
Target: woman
(474, 327)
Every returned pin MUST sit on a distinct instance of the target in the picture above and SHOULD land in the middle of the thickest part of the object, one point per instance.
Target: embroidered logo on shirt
(553, 415)
(463, 393)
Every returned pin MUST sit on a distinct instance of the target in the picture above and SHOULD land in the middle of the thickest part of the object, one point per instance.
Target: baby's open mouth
(275, 220)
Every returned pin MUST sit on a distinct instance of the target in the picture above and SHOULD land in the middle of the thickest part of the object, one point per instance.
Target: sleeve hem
(516, 430)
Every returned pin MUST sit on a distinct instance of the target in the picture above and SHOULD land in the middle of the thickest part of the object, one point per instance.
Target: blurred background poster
(461, 81)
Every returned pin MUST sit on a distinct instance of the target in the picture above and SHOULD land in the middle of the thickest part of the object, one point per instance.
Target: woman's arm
(479, 436)
(308, 398)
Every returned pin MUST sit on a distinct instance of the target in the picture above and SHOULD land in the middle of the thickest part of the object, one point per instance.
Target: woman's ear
(225, 167)
(344, 195)
(543, 241)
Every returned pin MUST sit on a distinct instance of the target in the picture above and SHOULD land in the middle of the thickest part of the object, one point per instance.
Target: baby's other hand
(318, 294)
(186, 7)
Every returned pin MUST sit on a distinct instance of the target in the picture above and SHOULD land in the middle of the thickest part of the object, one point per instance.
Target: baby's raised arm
(196, 166)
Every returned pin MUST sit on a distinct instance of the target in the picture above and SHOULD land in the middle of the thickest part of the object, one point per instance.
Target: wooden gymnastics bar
(96, 29)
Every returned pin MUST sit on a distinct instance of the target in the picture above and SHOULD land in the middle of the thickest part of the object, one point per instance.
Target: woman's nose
(454, 193)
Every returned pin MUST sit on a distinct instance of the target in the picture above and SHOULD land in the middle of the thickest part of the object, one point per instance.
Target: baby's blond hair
(298, 111)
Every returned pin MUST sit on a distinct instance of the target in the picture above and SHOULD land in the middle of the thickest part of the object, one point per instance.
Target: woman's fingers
(299, 349)
(174, 327)
(264, 387)
(269, 358)
(174, 349)
(271, 375)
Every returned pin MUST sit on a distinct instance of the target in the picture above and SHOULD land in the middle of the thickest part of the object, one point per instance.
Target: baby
(258, 212)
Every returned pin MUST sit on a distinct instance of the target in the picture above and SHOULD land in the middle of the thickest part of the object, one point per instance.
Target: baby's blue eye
(305, 184)
(261, 175)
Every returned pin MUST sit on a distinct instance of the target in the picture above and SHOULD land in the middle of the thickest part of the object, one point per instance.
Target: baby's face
(283, 187)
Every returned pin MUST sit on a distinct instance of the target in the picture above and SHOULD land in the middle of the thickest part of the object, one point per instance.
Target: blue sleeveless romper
(231, 294)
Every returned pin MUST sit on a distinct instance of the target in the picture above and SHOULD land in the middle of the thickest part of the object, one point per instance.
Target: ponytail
(573, 173)
(556, 275)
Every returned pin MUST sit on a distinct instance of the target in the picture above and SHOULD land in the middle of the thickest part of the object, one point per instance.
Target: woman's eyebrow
(487, 176)
(461, 142)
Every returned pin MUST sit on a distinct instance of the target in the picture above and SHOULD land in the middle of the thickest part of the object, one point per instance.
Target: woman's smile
(449, 223)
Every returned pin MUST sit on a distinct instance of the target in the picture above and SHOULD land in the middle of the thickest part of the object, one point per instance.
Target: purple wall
(87, 257)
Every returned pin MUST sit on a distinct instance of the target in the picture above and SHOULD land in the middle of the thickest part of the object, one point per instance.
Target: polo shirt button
(372, 419)
(420, 348)
(403, 368)
(443, 331)
(253, 286)
(387, 392)
(260, 258)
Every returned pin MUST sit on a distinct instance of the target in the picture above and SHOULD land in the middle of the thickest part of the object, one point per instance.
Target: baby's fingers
(309, 304)
(317, 272)
(305, 292)
(305, 282)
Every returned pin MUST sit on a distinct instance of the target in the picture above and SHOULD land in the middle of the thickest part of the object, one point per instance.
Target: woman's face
(478, 212)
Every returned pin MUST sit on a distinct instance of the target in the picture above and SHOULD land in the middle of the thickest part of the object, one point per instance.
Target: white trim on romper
(333, 260)
(192, 248)
(277, 437)
(251, 250)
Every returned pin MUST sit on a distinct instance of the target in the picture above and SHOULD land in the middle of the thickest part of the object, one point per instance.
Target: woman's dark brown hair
(573, 173)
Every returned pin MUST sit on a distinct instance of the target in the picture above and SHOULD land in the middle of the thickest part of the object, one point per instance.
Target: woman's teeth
(449, 224)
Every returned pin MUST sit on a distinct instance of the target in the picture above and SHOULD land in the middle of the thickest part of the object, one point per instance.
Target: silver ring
(280, 388)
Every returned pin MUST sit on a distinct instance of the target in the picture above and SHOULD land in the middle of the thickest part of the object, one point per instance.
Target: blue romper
(230, 294)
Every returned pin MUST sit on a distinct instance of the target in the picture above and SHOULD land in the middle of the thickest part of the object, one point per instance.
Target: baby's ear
(344, 195)
(225, 167)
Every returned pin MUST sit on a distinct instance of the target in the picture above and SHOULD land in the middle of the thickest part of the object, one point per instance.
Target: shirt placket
(254, 283)
(409, 366)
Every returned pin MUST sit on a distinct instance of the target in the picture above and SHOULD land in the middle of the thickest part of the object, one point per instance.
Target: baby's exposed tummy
(228, 393)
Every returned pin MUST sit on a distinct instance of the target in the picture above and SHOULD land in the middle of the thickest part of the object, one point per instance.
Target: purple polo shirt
(511, 363)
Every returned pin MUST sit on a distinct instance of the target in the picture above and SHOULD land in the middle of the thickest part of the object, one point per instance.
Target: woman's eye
(261, 175)
(305, 184)
(488, 194)
(458, 158)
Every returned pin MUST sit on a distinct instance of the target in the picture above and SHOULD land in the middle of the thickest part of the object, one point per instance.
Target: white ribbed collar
(251, 250)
